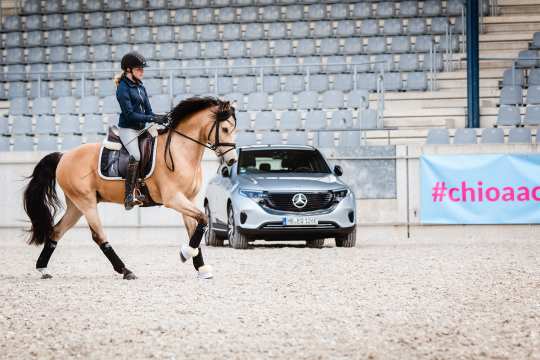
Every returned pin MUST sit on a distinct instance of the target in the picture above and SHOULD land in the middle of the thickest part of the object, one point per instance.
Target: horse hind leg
(99, 237)
(68, 220)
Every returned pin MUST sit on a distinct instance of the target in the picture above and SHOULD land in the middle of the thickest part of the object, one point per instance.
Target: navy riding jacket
(134, 103)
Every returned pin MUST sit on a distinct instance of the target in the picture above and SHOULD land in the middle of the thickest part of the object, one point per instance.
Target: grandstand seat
(119, 19)
(42, 106)
(208, 32)
(308, 100)
(253, 31)
(101, 52)
(139, 18)
(288, 65)
(332, 99)
(346, 28)
(352, 46)
(358, 99)
(316, 12)
(367, 81)
(65, 105)
(204, 16)
(15, 72)
(275, 31)
(271, 84)
(508, 115)
(305, 47)
(226, 15)
(72, 6)
(341, 119)
(533, 95)
(4, 125)
(56, 54)
(33, 22)
(324, 140)
(38, 89)
(246, 138)
(513, 77)
(535, 45)
(295, 83)
(465, 136)
(265, 120)
(98, 5)
(37, 55)
(343, 82)
(449, 43)
(290, 120)
(13, 39)
(103, 70)
(18, 106)
(435, 61)
(282, 100)
(392, 81)
(361, 10)
(12, 23)
(416, 26)
(455, 7)
(438, 136)
(54, 21)
(231, 32)
(322, 29)
(369, 27)
(248, 14)
(16, 90)
(121, 36)
(161, 17)
(89, 105)
(149, 51)
(45, 124)
(416, 81)
(61, 88)
(432, 8)
(53, 7)
(93, 124)
(14, 55)
(107, 87)
(165, 34)
(161, 103)
(329, 46)
(423, 43)
(59, 71)
(224, 85)
(282, 48)
(520, 135)
(23, 143)
(408, 8)
(236, 49)
(532, 115)
(191, 50)
(315, 119)
(336, 64)
(97, 20)
(21, 124)
(440, 25)
(527, 59)
(257, 101)
(385, 9)
(400, 44)
(271, 138)
(534, 77)
(299, 30)
(511, 95)
(297, 138)
(492, 136)
(243, 120)
(80, 53)
(199, 86)
(98, 36)
(142, 34)
(241, 66)
(368, 119)
(5, 142)
(408, 62)
(392, 27)
(294, 12)
(376, 45)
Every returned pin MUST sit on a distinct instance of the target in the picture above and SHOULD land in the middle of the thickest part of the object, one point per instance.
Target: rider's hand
(160, 119)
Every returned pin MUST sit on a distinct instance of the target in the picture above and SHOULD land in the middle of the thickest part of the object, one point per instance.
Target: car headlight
(340, 194)
(253, 194)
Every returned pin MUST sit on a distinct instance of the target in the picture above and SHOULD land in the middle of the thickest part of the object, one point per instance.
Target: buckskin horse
(194, 124)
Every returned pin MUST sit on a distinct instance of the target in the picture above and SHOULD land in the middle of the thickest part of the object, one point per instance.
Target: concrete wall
(395, 216)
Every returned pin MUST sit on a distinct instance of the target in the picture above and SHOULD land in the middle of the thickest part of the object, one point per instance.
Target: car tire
(347, 241)
(210, 237)
(315, 244)
(236, 239)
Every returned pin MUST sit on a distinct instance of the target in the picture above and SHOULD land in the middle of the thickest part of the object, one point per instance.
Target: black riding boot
(131, 199)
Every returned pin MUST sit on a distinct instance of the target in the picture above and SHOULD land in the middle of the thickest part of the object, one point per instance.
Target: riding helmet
(133, 60)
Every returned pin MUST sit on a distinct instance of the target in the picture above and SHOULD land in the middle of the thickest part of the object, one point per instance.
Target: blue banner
(480, 189)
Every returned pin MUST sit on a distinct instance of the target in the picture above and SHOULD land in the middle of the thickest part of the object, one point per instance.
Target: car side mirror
(338, 170)
(225, 172)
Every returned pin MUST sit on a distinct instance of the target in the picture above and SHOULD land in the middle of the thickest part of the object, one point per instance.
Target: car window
(281, 161)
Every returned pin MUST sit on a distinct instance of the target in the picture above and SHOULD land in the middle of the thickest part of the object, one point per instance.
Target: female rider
(135, 113)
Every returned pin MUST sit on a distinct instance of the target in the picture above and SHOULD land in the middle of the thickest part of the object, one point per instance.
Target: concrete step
(440, 95)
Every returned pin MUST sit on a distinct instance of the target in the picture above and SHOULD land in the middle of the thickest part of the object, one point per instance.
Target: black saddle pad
(113, 163)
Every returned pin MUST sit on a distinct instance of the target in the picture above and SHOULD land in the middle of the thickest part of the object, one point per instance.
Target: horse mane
(221, 111)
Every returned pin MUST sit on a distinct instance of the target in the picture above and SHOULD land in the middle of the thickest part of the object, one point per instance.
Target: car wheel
(315, 244)
(236, 239)
(347, 241)
(210, 237)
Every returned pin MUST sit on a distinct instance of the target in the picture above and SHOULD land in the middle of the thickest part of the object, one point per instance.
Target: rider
(135, 113)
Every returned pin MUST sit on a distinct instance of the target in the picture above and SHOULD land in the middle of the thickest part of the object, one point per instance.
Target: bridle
(211, 146)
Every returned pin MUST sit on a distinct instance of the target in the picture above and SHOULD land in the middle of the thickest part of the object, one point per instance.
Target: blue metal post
(473, 66)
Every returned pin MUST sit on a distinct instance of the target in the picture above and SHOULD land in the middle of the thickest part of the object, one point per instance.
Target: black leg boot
(130, 199)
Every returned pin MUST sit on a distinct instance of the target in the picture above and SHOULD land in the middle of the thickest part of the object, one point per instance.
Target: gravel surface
(382, 300)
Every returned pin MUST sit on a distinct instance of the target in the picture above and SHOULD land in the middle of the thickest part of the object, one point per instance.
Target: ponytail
(118, 77)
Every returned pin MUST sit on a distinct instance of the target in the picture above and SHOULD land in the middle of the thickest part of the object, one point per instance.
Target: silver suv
(278, 192)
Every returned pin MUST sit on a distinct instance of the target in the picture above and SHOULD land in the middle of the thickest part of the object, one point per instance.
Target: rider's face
(138, 73)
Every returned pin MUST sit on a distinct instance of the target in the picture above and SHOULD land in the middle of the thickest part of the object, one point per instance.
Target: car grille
(315, 201)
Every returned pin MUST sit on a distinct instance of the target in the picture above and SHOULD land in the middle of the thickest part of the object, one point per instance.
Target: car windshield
(281, 161)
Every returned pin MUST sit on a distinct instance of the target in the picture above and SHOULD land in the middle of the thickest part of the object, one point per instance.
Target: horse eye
(225, 130)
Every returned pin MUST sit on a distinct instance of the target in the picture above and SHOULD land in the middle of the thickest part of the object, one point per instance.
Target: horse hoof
(205, 272)
(187, 252)
(44, 273)
(46, 276)
(128, 275)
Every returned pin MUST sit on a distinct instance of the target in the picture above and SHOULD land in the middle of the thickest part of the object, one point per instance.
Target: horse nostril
(231, 162)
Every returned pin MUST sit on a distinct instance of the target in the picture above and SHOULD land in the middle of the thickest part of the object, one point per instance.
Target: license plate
(300, 220)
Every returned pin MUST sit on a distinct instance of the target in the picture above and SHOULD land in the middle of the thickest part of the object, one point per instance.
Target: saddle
(114, 158)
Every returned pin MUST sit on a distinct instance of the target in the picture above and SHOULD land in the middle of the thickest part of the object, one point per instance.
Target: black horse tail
(40, 200)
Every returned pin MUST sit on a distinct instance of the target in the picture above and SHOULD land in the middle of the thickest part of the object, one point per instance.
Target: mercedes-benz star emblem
(299, 200)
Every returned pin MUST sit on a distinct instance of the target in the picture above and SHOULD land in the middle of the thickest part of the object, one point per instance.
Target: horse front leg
(195, 221)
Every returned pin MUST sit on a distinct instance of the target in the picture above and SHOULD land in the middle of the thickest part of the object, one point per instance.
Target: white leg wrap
(205, 272)
(188, 252)
(45, 274)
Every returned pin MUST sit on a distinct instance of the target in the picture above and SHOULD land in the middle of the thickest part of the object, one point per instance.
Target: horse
(193, 125)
